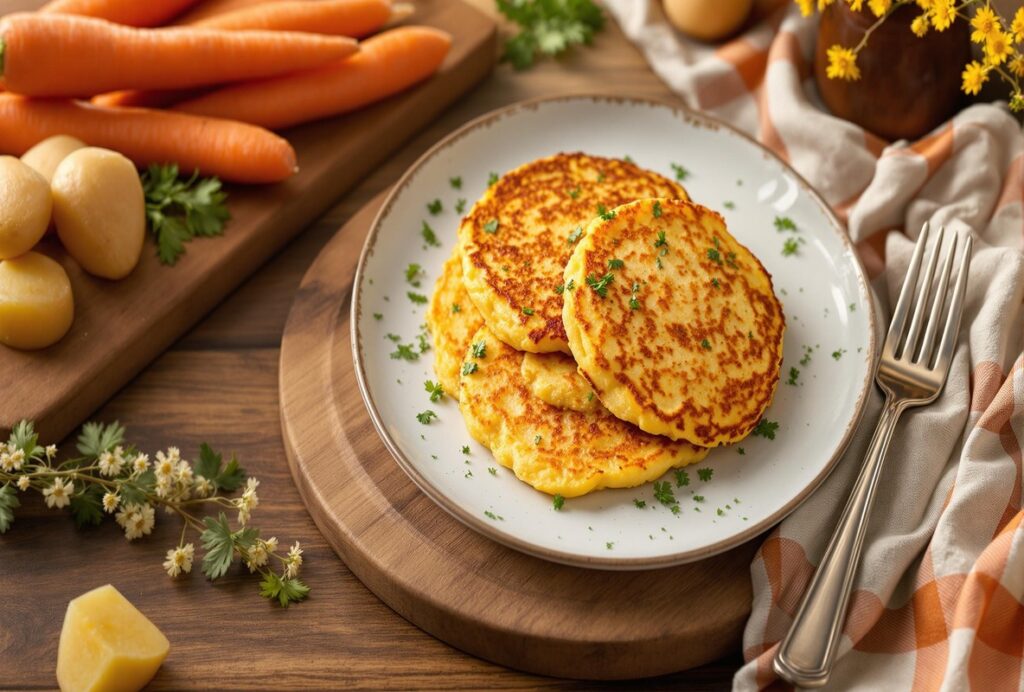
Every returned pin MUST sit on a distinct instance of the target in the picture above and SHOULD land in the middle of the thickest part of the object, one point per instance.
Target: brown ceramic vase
(908, 85)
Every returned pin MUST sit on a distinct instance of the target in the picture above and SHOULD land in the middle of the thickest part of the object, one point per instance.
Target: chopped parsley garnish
(411, 272)
(560, 289)
(740, 450)
(491, 470)
(716, 283)
(661, 242)
(492, 178)
(417, 298)
(404, 352)
(639, 504)
(714, 255)
(682, 478)
(784, 223)
(634, 302)
(468, 473)
(837, 354)
(705, 344)
(465, 449)
(575, 192)
(600, 286)
(575, 234)
(571, 285)
(609, 545)
(434, 207)
(681, 173)
(729, 205)
(479, 349)
(393, 338)
(698, 498)
(765, 428)
(720, 512)
(378, 316)
(435, 390)
(794, 375)
(492, 516)
(491, 226)
(607, 214)
(456, 308)
(790, 247)
(429, 237)
(537, 439)
(460, 205)
(628, 159)
(468, 368)
(558, 502)
(614, 263)
(426, 417)
(600, 177)
(455, 182)
(705, 473)
(663, 493)
(527, 311)
(657, 209)
(730, 259)
(853, 307)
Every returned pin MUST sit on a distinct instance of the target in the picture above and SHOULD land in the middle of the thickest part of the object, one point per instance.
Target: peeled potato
(24, 207)
(47, 155)
(708, 20)
(36, 306)
(100, 211)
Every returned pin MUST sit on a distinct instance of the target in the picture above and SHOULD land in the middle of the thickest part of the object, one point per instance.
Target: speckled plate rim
(609, 563)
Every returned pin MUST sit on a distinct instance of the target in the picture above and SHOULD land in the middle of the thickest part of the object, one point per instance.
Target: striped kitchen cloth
(939, 601)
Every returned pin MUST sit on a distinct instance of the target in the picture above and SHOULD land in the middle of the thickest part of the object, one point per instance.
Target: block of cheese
(107, 645)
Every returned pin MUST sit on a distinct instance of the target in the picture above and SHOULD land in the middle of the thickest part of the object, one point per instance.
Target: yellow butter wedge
(107, 644)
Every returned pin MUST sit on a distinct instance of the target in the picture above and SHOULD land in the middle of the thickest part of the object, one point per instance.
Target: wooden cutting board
(121, 326)
(471, 592)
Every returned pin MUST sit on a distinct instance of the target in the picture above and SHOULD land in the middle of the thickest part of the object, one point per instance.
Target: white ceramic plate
(828, 311)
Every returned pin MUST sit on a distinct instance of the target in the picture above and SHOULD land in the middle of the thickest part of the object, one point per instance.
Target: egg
(708, 20)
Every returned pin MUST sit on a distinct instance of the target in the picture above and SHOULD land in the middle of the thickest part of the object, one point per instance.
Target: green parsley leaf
(8, 503)
(784, 223)
(455, 182)
(527, 311)
(790, 247)
(615, 263)
(491, 226)
(794, 374)
(479, 349)
(558, 502)
(435, 207)
(730, 259)
(698, 498)
(682, 478)
(537, 439)
(219, 543)
(460, 205)
(729, 205)
(575, 192)
(740, 450)
(492, 178)
(411, 274)
(405, 352)
(469, 367)
(491, 470)
(600, 286)
(681, 173)
(378, 316)
(87, 505)
(492, 516)
(435, 390)
(95, 438)
(634, 303)
(465, 449)
(609, 545)
(571, 285)
(179, 210)
(838, 353)
(286, 591)
(715, 282)
(657, 209)
(429, 237)
(661, 242)
(560, 289)
(210, 466)
(575, 234)
(417, 298)
(663, 493)
(720, 512)
(607, 214)
(714, 255)
(705, 344)
(393, 338)
(456, 308)
(638, 503)
(426, 416)
(705, 473)
(765, 428)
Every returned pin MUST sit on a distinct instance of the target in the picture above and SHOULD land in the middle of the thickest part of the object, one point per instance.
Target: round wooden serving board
(467, 590)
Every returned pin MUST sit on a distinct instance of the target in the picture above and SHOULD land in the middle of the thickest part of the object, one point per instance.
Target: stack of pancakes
(599, 329)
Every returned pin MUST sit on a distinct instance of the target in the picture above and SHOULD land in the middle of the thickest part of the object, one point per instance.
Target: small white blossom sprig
(113, 477)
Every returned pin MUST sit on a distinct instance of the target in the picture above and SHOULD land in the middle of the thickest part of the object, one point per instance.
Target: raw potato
(100, 211)
(24, 207)
(36, 306)
(47, 155)
(106, 644)
(708, 20)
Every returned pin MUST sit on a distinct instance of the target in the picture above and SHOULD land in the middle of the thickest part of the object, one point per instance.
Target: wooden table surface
(219, 384)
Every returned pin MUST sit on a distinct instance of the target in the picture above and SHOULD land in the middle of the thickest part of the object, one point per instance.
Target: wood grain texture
(218, 384)
(120, 326)
(480, 596)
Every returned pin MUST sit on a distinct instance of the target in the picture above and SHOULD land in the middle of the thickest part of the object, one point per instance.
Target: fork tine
(924, 288)
(956, 305)
(928, 340)
(899, 315)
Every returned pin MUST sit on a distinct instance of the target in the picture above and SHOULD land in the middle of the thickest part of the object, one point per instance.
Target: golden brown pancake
(452, 320)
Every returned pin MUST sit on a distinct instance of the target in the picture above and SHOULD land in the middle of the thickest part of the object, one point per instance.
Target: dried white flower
(51, 452)
(23, 483)
(179, 560)
(141, 463)
(202, 487)
(293, 561)
(110, 502)
(59, 494)
(111, 463)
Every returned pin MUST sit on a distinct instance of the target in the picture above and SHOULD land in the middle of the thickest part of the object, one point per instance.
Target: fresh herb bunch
(113, 477)
(179, 210)
(549, 27)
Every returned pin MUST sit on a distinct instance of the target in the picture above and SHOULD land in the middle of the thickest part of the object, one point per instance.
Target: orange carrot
(64, 55)
(233, 151)
(137, 98)
(210, 8)
(354, 18)
(386, 64)
(128, 12)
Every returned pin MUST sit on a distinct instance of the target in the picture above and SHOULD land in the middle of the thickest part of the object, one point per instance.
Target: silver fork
(911, 373)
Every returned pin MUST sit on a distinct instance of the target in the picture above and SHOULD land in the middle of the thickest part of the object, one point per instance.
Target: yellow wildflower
(985, 24)
(942, 14)
(856, 5)
(806, 7)
(842, 64)
(920, 24)
(1017, 65)
(879, 7)
(1017, 102)
(1017, 26)
(974, 75)
(997, 48)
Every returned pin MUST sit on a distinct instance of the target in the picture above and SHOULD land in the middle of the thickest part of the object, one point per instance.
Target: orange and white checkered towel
(939, 600)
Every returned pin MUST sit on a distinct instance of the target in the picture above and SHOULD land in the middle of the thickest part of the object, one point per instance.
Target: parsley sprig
(548, 27)
(179, 210)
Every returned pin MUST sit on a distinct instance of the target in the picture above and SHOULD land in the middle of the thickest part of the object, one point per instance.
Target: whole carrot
(210, 8)
(354, 18)
(137, 98)
(65, 55)
(233, 151)
(386, 64)
(128, 12)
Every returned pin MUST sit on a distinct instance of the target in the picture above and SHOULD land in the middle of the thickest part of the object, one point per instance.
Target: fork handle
(806, 654)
